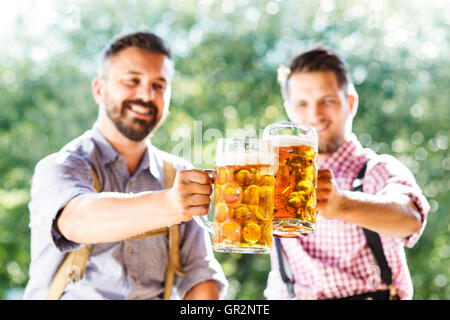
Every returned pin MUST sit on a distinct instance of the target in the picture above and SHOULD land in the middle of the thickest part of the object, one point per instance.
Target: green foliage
(226, 55)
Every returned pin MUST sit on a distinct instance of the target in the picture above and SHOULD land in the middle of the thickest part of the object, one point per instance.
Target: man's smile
(322, 127)
(140, 111)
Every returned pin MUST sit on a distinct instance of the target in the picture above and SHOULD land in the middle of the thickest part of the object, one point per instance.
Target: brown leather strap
(74, 263)
(173, 263)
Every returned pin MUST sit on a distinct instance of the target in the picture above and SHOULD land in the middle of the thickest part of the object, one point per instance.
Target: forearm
(110, 216)
(387, 215)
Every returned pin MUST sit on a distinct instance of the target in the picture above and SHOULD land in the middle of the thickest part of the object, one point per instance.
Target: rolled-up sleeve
(393, 178)
(57, 179)
(198, 261)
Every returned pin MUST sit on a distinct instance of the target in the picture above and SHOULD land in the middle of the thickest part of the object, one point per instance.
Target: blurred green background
(226, 54)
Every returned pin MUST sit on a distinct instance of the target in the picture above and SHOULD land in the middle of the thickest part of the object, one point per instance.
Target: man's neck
(323, 157)
(132, 151)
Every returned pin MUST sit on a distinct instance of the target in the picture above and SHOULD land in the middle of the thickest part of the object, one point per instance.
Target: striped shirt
(335, 261)
(132, 269)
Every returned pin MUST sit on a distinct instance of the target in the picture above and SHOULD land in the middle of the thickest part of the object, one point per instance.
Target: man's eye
(301, 105)
(158, 86)
(131, 82)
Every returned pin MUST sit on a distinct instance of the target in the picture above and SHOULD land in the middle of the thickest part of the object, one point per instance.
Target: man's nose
(313, 113)
(146, 93)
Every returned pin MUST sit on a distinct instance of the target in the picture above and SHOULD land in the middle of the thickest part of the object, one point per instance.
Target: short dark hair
(318, 59)
(143, 40)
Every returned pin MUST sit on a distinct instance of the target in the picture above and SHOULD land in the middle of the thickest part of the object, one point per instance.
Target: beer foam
(244, 158)
(290, 140)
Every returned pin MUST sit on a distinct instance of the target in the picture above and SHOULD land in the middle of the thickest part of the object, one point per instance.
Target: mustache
(148, 104)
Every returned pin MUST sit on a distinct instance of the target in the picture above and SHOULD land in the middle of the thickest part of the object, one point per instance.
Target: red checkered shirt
(335, 261)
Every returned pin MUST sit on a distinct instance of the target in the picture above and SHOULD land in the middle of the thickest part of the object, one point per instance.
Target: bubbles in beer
(244, 177)
(266, 180)
(244, 205)
(295, 183)
(293, 200)
(222, 176)
(252, 233)
(241, 212)
(221, 212)
(231, 232)
(259, 213)
(305, 187)
(251, 195)
(232, 193)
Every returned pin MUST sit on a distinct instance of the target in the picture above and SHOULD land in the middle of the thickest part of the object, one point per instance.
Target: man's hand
(190, 194)
(328, 195)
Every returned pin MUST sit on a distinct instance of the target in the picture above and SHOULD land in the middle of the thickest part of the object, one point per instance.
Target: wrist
(174, 210)
(344, 205)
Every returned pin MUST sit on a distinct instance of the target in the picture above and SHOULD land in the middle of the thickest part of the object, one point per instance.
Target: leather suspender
(373, 241)
(286, 274)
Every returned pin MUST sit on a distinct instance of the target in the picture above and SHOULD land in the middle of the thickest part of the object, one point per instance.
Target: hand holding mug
(190, 193)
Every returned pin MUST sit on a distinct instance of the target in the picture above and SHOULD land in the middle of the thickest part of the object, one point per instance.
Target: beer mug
(243, 196)
(296, 146)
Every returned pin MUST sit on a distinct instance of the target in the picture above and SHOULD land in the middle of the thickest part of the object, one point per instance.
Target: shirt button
(133, 278)
(130, 250)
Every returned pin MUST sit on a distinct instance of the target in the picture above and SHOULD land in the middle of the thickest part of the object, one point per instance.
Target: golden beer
(295, 180)
(243, 202)
(295, 191)
(244, 183)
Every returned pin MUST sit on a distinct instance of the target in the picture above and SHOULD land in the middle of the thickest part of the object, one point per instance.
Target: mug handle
(201, 220)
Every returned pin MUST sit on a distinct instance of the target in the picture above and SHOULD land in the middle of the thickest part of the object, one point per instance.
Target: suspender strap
(74, 263)
(286, 275)
(374, 241)
(173, 263)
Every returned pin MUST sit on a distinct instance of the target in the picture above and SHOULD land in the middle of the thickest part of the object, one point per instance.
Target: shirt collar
(108, 154)
(152, 161)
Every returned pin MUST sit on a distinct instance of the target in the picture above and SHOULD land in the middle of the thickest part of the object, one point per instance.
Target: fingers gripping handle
(202, 221)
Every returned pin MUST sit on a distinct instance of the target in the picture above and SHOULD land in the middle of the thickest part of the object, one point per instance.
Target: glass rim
(308, 135)
(244, 151)
(243, 140)
(287, 124)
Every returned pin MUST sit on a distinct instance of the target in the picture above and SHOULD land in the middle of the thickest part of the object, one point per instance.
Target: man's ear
(98, 89)
(352, 100)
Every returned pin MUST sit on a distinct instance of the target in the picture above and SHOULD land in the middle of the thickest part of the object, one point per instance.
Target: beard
(331, 145)
(134, 129)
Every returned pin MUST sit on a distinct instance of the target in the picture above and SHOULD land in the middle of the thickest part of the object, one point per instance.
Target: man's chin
(329, 146)
(135, 134)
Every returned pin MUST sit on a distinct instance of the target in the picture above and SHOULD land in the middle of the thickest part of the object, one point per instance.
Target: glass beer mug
(243, 196)
(296, 146)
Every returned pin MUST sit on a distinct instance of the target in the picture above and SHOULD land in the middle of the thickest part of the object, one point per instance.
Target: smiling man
(67, 213)
(357, 250)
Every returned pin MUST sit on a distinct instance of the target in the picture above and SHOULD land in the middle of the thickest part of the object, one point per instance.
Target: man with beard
(356, 251)
(66, 213)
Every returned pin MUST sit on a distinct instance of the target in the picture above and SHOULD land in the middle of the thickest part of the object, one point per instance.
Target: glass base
(240, 248)
(291, 228)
